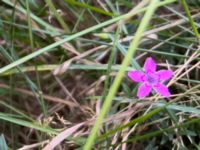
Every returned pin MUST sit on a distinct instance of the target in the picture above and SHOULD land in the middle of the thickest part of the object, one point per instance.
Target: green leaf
(3, 145)
(34, 125)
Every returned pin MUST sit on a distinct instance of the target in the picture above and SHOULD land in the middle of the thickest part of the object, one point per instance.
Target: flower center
(152, 78)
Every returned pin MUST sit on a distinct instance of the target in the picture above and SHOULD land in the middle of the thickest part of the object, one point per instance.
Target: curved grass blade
(28, 124)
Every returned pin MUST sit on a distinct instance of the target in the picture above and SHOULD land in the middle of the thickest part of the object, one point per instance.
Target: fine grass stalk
(185, 6)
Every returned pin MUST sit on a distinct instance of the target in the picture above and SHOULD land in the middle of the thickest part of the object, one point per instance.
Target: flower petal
(136, 76)
(162, 89)
(164, 74)
(144, 90)
(150, 65)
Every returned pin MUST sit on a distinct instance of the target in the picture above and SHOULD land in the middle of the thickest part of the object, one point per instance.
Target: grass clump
(64, 82)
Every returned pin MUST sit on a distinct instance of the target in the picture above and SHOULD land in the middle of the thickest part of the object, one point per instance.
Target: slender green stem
(58, 17)
(16, 110)
(185, 6)
(110, 64)
(73, 2)
(132, 49)
(29, 24)
(40, 99)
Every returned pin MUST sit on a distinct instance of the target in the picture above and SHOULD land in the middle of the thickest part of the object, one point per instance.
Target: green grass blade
(185, 6)
(117, 81)
(28, 124)
(42, 68)
(157, 133)
(16, 110)
(76, 3)
(3, 145)
(41, 101)
(110, 64)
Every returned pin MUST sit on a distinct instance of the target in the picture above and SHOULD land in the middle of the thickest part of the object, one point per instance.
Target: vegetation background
(63, 75)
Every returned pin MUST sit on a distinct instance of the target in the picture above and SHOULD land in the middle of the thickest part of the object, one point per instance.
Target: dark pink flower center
(152, 78)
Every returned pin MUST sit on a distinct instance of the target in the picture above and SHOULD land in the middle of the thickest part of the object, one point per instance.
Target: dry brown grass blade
(62, 136)
(170, 25)
(32, 146)
(67, 46)
(46, 97)
(178, 74)
(162, 28)
(63, 68)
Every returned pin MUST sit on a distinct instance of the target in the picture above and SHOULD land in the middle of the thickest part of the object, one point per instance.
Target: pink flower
(151, 79)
